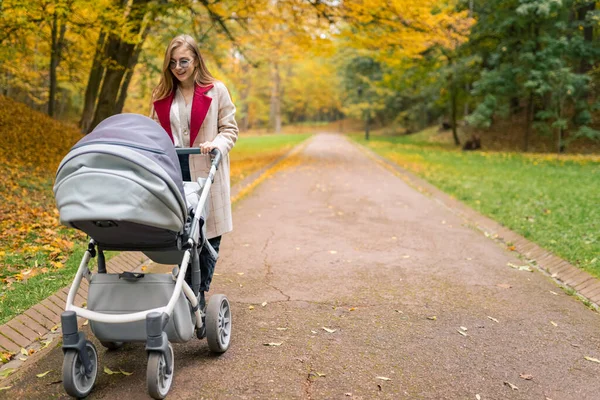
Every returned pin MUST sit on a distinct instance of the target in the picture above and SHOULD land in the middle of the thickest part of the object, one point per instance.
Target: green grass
(25, 294)
(554, 202)
(251, 153)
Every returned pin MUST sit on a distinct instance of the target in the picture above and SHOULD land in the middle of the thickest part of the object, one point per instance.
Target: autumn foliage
(32, 239)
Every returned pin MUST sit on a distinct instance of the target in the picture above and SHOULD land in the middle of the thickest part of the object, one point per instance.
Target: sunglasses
(183, 63)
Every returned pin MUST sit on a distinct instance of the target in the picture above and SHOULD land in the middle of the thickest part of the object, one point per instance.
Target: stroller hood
(125, 173)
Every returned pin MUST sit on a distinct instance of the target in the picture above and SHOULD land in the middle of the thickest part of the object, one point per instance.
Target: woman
(196, 110)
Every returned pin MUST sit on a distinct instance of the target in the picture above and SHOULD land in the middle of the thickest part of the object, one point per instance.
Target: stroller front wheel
(76, 381)
(157, 379)
(218, 323)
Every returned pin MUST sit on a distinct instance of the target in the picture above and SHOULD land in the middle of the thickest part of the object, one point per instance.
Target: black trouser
(207, 265)
(184, 162)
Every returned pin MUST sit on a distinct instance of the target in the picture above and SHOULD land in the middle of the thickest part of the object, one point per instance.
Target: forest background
(469, 64)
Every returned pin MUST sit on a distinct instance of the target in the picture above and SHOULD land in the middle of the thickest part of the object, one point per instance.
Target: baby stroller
(122, 185)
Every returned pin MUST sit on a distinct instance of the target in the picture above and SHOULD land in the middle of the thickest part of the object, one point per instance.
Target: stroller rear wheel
(157, 379)
(218, 323)
(76, 381)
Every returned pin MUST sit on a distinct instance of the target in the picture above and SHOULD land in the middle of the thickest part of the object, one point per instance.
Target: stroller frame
(80, 363)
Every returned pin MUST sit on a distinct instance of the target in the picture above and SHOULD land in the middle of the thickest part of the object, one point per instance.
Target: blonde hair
(202, 75)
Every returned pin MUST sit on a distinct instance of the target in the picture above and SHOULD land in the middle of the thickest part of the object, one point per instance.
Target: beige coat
(220, 128)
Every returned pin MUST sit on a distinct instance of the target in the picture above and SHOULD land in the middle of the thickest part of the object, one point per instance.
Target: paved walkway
(366, 288)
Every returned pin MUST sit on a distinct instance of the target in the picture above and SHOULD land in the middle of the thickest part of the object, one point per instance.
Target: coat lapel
(162, 108)
(200, 106)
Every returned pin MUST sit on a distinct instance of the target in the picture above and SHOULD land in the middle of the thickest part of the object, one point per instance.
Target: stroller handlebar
(215, 154)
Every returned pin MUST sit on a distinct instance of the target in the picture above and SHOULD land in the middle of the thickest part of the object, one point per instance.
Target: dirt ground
(416, 305)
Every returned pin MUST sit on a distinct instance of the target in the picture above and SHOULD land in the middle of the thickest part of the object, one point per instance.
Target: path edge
(584, 285)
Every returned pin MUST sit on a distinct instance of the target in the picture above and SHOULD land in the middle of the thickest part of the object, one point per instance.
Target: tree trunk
(276, 99)
(120, 52)
(131, 68)
(58, 37)
(528, 122)
(245, 94)
(454, 111)
(93, 86)
(588, 34)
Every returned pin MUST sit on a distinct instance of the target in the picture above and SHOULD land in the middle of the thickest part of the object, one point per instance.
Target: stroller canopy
(124, 174)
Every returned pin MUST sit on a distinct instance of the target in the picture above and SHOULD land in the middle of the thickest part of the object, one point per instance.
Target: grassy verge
(251, 153)
(551, 201)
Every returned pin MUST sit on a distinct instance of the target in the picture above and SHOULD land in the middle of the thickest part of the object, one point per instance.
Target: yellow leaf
(5, 388)
(24, 352)
(383, 378)
(43, 374)
(329, 330)
(432, 318)
(108, 371)
(272, 344)
(592, 359)
(125, 372)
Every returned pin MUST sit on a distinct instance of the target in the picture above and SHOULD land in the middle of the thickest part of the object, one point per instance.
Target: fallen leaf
(5, 388)
(46, 343)
(494, 319)
(592, 359)
(399, 312)
(329, 330)
(54, 328)
(31, 351)
(24, 352)
(553, 323)
(125, 372)
(87, 321)
(314, 332)
(282, 329)
(406, 256)
(348, 394)
(478, 397)
(23, 358)
(554, 293)
(251, 308)
(6, 372)
(527, 377)
(383, 378)
(43, 374)
(240, 273)
(464, 328)
(109, 371)
(264, 303)
(510, 385)
(461, 332)
(432, 318)
(351, 309)
(272, 344)
(332, 252)
(320, 374)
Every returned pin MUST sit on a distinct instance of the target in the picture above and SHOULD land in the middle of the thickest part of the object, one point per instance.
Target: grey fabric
(104, 182)
(144, 135)
(109, 294)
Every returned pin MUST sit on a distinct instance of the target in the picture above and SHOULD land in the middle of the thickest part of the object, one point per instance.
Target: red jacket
(200, 104)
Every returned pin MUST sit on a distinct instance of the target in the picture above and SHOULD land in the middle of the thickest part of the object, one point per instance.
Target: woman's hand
(207, 147)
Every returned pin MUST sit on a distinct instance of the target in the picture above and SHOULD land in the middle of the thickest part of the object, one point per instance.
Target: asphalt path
(370, 289)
